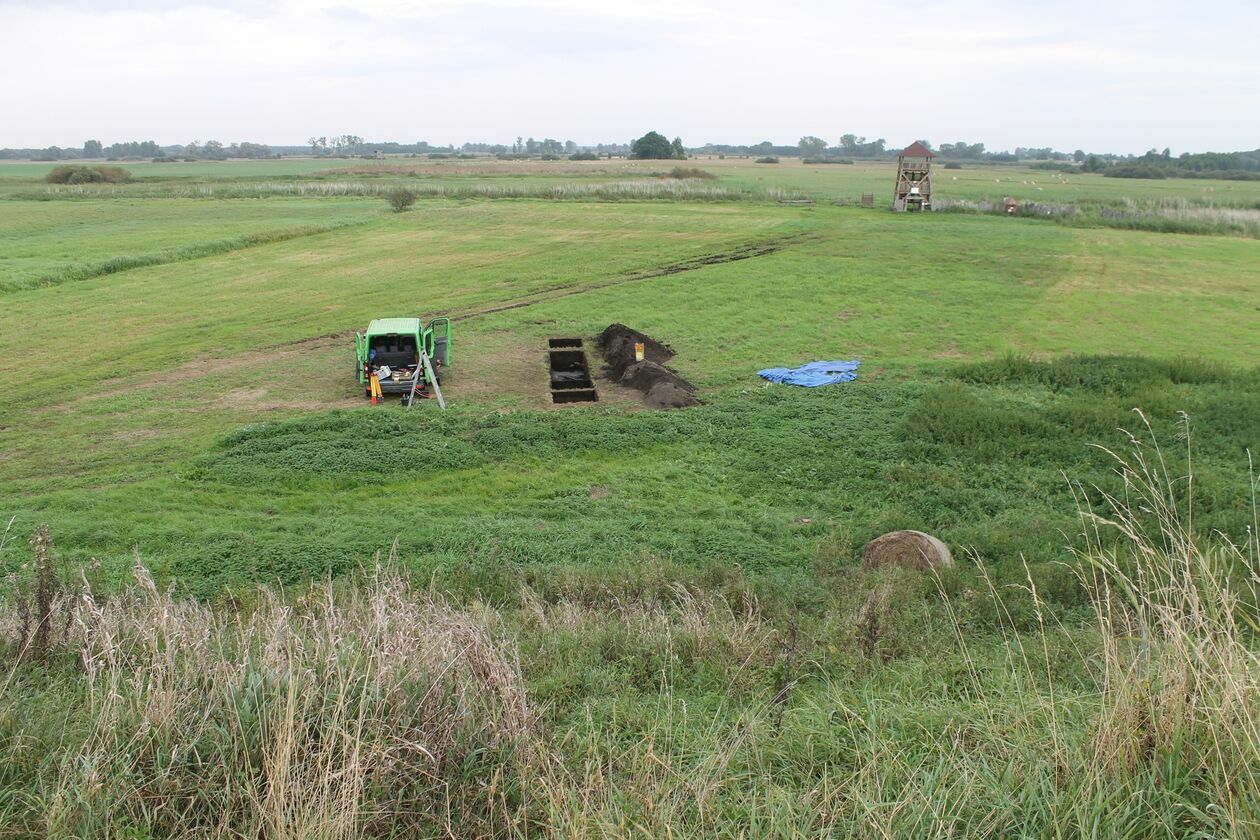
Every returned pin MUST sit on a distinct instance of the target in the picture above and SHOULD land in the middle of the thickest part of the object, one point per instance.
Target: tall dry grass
(345, 711)
(1178, 616)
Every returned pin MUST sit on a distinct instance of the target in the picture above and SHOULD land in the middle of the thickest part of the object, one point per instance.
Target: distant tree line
(95, 150)
(1232, 166)
(653, 145)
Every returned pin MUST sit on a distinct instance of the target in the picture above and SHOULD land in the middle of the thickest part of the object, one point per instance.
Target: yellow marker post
(638, 351)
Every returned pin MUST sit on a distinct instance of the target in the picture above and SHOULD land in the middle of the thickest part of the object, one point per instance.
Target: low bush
(88, 175)
(953, 165)
(767, 159)
(584, 156)
(828, 160)
(401, 199)
(693, 172)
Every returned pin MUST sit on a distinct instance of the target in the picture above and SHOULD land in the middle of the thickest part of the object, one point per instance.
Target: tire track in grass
(744, 252)
(748, 250)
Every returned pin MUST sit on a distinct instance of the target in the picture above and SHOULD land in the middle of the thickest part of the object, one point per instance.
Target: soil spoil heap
(661, 387)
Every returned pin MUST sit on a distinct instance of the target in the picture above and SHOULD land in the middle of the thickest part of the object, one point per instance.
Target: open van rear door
(440, 329)
(360, 352)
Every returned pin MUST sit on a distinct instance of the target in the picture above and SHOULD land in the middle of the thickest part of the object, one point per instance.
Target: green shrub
(401, 199)
(953, 165)
(88, 175)
(767, 159)
(584, 156)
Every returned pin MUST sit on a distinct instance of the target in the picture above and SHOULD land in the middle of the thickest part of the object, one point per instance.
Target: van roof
(385, 326)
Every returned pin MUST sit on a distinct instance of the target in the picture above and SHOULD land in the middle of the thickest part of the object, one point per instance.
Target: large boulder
(909, 549)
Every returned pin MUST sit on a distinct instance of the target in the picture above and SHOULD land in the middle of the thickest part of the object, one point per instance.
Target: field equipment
(408, 354)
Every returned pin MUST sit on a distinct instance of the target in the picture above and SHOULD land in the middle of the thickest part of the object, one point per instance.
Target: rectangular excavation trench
(570, 373)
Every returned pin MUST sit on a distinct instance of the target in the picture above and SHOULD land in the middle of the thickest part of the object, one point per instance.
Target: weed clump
(39, 618)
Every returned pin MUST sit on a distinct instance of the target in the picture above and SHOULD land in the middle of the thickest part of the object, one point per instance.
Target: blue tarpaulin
(813, 374)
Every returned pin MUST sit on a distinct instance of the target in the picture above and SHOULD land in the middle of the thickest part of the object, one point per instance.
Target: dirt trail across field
(276, 354)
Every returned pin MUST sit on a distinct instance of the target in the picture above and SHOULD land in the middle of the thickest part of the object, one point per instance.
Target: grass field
(676, 597)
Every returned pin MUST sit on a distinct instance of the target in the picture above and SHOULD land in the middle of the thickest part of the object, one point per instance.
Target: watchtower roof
(916, 149)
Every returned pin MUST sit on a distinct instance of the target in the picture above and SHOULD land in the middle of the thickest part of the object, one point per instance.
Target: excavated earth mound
(617, 345)
(661, 387)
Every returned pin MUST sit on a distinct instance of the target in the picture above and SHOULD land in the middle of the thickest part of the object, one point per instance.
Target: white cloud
(1121, 77)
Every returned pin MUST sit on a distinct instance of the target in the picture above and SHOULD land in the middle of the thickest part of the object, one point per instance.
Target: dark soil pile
(617, 346)
(661, 387)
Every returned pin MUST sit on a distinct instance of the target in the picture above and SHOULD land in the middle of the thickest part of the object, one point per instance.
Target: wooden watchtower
(914, 179)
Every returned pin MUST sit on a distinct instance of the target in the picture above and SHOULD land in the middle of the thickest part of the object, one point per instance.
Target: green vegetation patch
(774, 482)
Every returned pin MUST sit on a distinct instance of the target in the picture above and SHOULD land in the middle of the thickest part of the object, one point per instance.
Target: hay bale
(908, 549)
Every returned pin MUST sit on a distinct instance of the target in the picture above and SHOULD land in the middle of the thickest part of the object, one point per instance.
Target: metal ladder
(431, 378)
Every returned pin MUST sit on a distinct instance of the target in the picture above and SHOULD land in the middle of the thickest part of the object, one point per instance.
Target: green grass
(42, 243)
(666, 575)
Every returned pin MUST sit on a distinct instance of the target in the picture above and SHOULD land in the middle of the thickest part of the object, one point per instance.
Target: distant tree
(680, 153)
(1093, 163)
(193, 149)
(93, 149)
(812, 147)
(147, 148)
(851, 144)
(214, 150)
(962, 150)
(570, 147)
(249, 150)
(652, 146)
(1079, 156)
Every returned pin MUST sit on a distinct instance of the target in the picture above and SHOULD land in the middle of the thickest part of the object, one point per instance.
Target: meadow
(607, 620)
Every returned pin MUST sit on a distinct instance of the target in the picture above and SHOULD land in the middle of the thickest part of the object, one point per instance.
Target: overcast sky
(1104, 76)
